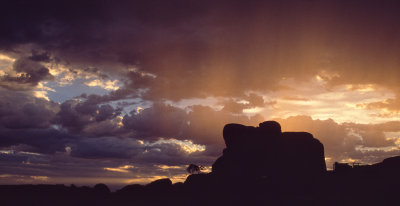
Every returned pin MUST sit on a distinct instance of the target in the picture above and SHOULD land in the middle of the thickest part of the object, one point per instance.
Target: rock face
(265, 151)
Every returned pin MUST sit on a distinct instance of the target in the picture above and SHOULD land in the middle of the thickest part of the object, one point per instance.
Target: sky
(124, 92)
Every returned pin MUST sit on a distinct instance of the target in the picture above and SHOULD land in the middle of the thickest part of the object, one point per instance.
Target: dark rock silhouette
(102, 189)
(160, 185)
(131, 189)
(265, 151)
(341, 167)
(391, 163)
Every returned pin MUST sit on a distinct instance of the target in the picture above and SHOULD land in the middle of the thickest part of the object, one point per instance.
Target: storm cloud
(25, 75)
(211, 45)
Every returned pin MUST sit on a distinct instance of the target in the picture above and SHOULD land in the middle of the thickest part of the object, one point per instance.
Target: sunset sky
(124, 92)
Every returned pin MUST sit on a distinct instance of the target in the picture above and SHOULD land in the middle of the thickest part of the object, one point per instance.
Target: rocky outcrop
(265, 151)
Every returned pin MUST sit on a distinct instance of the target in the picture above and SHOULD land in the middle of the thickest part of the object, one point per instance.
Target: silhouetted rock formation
(101, 189)
(266, 152)
(391, 163)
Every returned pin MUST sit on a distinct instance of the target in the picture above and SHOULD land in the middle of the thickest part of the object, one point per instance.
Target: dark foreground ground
(365, 185)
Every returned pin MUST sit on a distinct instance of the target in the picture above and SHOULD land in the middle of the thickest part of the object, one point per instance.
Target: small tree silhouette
(194, 169)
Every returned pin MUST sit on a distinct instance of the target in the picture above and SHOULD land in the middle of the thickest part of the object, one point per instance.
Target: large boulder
(265, 151)
(302, 153)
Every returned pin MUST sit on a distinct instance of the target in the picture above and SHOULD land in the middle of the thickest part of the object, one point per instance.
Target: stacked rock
(265, 151)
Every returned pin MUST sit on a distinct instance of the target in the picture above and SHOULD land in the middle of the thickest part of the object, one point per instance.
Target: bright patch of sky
(315, 99)
(186, 145)
(70, 91)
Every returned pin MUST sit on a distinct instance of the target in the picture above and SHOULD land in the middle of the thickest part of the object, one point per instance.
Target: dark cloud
(160, 120)
(72, 119)
(119, 94)
(134, 87)
(40, 56)
(166, 152)
(27, 74)
(97, 131)
(21, 110)
(25, 123)
(220, 48)
(76, 115)
(106, 147)
(34, 72)
(46, 141)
